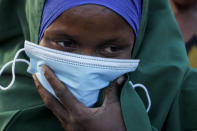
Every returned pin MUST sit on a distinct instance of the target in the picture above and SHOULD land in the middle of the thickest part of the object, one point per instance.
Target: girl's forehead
(81, 20)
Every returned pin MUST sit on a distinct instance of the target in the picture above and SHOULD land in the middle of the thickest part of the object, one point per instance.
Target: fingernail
(34, 76)
(121, 80)
(44, 68)
(35, 80)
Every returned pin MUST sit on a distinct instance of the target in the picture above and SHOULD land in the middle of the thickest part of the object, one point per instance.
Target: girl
(145, 30)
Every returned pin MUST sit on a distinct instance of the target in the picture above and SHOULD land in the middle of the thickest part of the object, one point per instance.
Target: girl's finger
(51, 102)
(68, 100)
(112, 91)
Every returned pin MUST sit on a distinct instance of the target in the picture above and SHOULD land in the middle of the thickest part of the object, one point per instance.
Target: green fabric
(6, 117)
(164, 70)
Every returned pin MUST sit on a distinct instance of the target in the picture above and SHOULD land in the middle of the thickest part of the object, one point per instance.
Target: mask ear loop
(13, 62)
(146, 91)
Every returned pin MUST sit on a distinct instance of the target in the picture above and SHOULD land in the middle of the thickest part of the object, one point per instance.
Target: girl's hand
(74, 116)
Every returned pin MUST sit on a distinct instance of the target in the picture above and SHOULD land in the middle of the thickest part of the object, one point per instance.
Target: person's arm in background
(185, 12)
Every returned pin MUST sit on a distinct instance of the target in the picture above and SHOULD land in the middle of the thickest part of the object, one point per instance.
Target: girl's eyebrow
(59, 34)
(115, 41)
(111, 40)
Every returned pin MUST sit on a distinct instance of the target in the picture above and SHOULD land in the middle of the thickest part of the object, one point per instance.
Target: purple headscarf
(130, 10)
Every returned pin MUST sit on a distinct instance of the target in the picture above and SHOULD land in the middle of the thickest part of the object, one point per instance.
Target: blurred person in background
(186, 14)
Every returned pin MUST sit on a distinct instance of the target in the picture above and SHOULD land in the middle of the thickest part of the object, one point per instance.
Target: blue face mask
(84, 76)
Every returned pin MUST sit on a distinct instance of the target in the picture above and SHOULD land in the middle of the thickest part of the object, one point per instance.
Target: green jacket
(164, 70)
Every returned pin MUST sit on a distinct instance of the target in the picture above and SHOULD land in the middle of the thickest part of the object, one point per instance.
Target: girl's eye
(111, 49)
(66, 44)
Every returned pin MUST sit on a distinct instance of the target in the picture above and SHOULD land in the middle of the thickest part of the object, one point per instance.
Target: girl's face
(90, 30)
